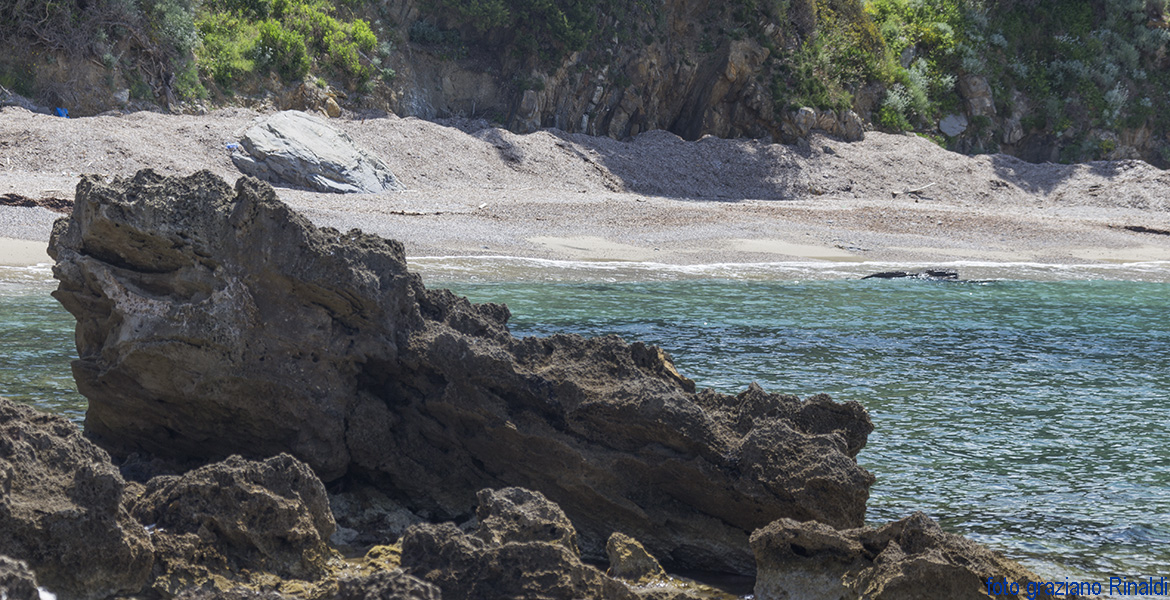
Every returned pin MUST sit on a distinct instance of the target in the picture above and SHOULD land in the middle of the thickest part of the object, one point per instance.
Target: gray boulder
(61, 511)
(299, 149)
(214, 320)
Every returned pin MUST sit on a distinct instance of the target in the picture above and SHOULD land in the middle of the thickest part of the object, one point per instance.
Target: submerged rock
(931, 274)
(300, 149)
(220, 524)
(214, 320)
(61, 511)
(910, 559)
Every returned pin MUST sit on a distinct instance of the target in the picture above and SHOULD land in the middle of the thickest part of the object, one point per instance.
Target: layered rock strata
(215, 320)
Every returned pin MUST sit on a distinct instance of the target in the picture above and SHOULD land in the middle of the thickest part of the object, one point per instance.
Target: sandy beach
(474, 190)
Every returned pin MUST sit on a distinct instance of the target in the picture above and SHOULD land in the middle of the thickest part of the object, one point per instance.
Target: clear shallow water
(1032, 415)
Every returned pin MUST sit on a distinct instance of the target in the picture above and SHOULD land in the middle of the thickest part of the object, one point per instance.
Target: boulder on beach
(214, 320)
(296, 148)
(61, 509)
(909, 559)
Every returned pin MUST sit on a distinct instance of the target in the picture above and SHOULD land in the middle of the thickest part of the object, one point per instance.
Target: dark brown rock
(61, 511)
(519, 515)
(214, 320)
(910, 559)
(223, 522)
(519, 550)
(629, 560)
(17, 581)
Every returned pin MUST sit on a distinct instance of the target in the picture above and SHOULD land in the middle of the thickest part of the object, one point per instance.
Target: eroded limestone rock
(60, 509)
(629, 560)
(17, 581)
(215, 320)
(520, 549)
(217, 525)
(910, 559)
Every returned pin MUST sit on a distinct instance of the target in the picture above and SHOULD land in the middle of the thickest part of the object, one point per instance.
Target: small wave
(515, 268)
(16, 277)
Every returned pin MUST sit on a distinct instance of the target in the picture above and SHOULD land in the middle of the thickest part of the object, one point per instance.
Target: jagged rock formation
(629, 560)
(520, 549)
(909, 559)
(61, 511)
(293, 147)
(386, 585)
(17, 581)
(225, 522)
(214, 320)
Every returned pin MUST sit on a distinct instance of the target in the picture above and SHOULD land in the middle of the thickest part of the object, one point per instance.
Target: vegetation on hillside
(1069, 68)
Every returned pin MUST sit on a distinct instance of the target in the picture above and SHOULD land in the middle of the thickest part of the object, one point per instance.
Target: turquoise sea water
(1032, 413)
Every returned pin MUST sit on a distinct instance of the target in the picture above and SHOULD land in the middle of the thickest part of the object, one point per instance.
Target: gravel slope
(479, 190)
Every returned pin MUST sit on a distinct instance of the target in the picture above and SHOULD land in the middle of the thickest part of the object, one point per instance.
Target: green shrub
(282, 50)
(227, 49)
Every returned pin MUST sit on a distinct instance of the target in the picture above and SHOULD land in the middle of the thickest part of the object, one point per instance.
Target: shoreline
(439, 268)
(474, 190)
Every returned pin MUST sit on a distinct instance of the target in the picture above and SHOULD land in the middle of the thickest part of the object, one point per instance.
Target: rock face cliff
(671, 69)
(214, 320)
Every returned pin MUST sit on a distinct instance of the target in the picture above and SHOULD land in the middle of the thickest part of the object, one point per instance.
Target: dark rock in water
(17, 581)
(910, 559)
(225, 521)
(60, 509)
(499, 561)
(303, 150)
(386, 585)
(214, 320)
(932, 274)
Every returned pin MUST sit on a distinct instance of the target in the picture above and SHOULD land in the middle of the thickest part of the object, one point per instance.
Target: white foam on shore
(513, 268)
(472, 268)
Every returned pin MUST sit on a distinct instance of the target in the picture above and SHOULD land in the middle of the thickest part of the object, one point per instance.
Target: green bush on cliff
(238, 37)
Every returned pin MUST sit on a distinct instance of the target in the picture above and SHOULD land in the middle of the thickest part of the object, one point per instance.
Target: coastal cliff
(1042, 81)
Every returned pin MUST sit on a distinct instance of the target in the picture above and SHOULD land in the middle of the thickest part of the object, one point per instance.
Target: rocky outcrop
(629, 560)
(910, 559)
(386, 585)
(520, 549)
(214, 320)
(17, 581)
(296, 148)
(60, 509)
(225, 522)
